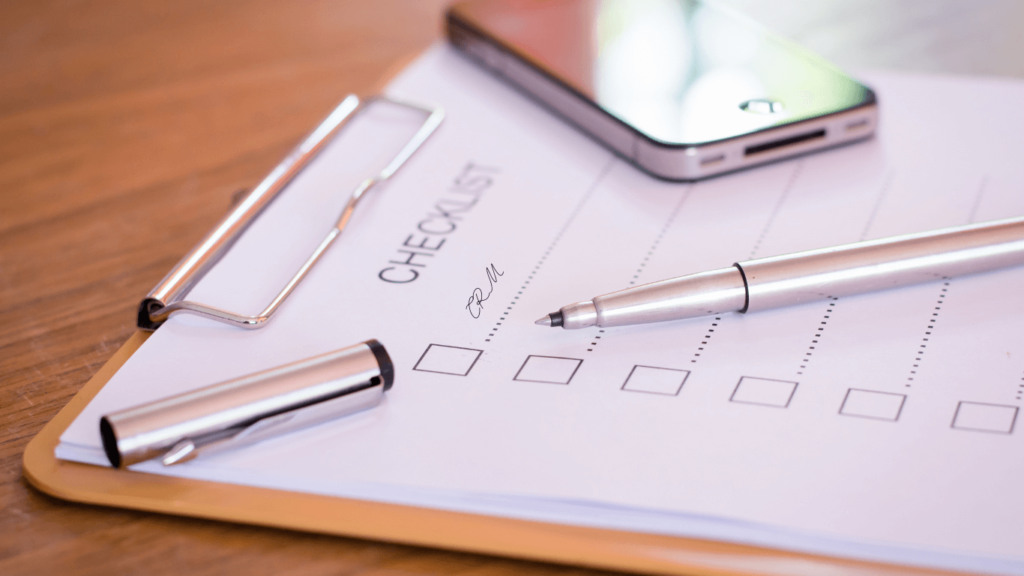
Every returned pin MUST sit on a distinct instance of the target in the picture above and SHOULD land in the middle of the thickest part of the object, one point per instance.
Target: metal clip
(168, 296)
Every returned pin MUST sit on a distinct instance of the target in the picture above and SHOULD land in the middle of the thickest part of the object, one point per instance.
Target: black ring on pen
(746, 288)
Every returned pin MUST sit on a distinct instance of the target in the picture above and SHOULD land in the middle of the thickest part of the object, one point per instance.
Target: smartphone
(681, 88)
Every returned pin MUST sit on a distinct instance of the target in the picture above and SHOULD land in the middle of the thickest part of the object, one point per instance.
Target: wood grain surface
(125, 129)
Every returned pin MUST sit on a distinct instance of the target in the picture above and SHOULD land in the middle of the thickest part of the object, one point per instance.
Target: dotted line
(654, 246)
(1020, 388)
(778, 205)
(942, 295)
(878, 203)
(661, 234)
(977, 199)
(707, 337)
(927, 333)
(817, 335)
(757, 245)
(579, 208)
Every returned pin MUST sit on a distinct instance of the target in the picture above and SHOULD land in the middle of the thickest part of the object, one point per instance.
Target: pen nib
(545, 321)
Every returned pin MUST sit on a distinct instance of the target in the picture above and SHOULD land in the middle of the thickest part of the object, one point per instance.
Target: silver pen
(806, 276)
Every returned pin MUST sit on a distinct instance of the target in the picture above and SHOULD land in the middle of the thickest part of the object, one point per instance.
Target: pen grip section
(674, 299)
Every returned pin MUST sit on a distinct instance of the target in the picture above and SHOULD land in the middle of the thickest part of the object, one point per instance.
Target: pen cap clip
(311, 390)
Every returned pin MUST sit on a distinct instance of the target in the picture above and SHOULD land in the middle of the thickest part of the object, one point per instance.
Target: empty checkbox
(763, 391)
(448, 360)
(654, 380)
(548, 369)
(985, 417)
(872, 404)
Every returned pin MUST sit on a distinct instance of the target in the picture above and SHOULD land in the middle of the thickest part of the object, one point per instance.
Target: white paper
(814, 428)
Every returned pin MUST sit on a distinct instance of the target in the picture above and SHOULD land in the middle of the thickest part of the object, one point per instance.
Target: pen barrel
(252, 407)
(882, 264)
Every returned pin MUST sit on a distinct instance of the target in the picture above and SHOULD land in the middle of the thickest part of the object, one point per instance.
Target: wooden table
(125, 129)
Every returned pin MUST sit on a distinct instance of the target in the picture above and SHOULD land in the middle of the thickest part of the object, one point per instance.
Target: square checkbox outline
(678, 390)
(579, 362)
(903, 403)
(1013, 421)
(788, 400)
(429, 346)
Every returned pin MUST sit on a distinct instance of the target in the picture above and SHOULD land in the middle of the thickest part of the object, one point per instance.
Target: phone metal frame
(675, 162)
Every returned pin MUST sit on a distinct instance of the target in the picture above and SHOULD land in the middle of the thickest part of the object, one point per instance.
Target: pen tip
(553, 320)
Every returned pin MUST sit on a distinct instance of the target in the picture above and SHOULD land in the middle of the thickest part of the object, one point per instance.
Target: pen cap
(315, 389)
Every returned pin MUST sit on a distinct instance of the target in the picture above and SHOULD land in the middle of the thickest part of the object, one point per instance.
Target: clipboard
(459, 531)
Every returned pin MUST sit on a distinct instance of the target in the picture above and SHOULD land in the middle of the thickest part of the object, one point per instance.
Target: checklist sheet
(882, 426)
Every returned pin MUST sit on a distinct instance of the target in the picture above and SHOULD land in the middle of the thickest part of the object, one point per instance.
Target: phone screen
(678, 71)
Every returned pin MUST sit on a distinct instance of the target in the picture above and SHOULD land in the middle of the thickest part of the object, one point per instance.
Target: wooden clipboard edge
(593, 547)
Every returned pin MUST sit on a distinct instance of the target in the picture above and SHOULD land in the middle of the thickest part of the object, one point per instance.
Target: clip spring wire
(153, 311)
